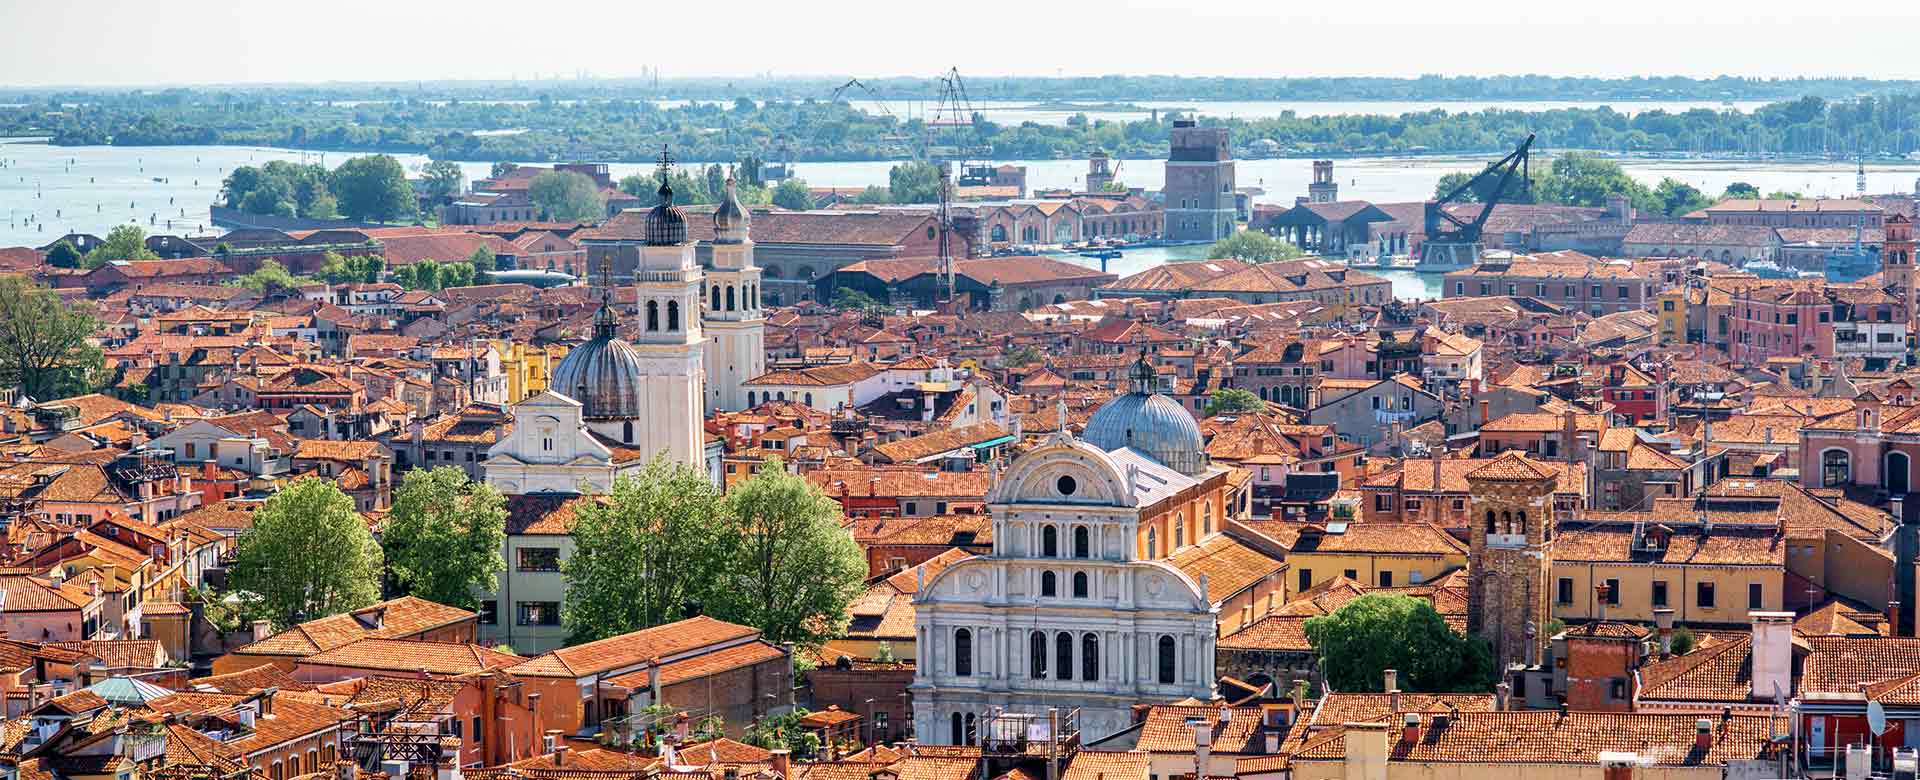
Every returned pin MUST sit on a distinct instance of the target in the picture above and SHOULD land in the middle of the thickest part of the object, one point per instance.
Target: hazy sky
(129, 42)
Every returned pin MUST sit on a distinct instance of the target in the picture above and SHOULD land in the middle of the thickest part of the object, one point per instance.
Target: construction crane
(1453, 243)
(894, 142)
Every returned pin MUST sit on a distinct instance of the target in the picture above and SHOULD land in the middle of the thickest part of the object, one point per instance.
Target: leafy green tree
(748, 171)
(1683, 640)
(1516, 191)
(323, 206)
(501, 168)
(873, 194)
(644, 555)
(337, 269)
(639, 186)
(566, 196)
(443, 178)
(270, 276)
(1577, 179)
(850, 299)
(914, 182)
(308, 555)
(1678, 198)
(1253, 246)
(787, 566)
(444, 536)
(1786, 195)
(1024, 356)
(373, 188)
(1233, 400)
(63, 255)
(46, 344)
(123, 242)
(483, 259)
(1377, 632)
(785, 731)
(792, 194)
(459, 274)
(1742, 190)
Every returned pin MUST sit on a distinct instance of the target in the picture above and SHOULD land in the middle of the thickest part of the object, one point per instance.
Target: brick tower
(1511, 556)
(1323, 189)
(1896, 255)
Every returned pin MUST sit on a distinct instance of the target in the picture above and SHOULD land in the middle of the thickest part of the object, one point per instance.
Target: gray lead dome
(1151, 423)
(603, 374)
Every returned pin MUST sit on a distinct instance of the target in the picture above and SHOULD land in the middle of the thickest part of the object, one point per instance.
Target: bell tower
(736, 327)
(1896, 255)
(1510, 556)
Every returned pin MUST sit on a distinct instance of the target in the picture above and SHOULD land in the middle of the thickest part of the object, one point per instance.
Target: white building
(733, 315)
(1076, 606)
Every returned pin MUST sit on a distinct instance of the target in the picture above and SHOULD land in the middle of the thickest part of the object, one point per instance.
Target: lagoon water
(48, 191)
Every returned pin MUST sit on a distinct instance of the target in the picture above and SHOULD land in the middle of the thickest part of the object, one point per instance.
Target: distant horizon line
(763, 79)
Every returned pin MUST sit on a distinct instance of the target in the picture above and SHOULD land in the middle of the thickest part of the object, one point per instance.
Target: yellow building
(527, 367)
(1383, 555)
(1671, 305)
(1705, 573)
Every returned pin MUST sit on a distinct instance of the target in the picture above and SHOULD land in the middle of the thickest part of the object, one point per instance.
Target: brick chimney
(1703, 734)
(781, 762)
(1393, 689)
(1410, 729)
(1663, 622)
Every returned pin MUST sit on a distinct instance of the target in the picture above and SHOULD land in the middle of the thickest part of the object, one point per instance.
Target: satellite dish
(1876, 718)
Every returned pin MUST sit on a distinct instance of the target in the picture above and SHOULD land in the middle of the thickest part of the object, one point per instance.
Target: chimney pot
(1410, 728)
(1703, 734)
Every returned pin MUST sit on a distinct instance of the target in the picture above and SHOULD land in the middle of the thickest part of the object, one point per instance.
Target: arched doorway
(1897, 477)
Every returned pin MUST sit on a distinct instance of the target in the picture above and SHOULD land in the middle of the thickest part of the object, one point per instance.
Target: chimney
(1393, 690)
(1486, 412)
(1501, 693)
(1617, 766)
(1663, 621)
(261, 630)
(560, 753)
(1410, 729)
(1703, 734)
(1366, 755)
(782, 762)
(1567, 433)
(1772, 654)
(1600, 592)
(1202, 746)
(1299, 694)
(1893, 616)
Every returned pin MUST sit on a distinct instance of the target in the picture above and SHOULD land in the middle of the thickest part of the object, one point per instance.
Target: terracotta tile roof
(1379, 538)
(1837, 667)
(914, 448)
(818, 376)
(1337, 708)
(547, 514)
(1415, 475)
(394, 619)
(902, 483)
(1107, 765)
(1166, 729)
(860, 228)
(1832, 620)
(1725, 545)
(26, 593)
(1179, 276)
(1225, 564)
(248, 680)
(1512, 466)
(410, 655)
(293, 719)
(1546, 738)
(1716, 672)
(719, 661)
(634, 648)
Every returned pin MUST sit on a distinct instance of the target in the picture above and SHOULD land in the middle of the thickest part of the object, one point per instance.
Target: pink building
(1875, 446)
(1780, 319)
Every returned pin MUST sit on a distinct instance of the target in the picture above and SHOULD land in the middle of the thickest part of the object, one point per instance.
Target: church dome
(666, 226)
(1151, 423)
(730, 220)
(604, 374)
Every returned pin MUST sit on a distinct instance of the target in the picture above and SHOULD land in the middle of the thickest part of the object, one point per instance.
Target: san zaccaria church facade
(1076, 606)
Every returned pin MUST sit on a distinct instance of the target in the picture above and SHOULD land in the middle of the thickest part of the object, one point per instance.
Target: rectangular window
(1352, 574)
(539, 559)
(539, 613)
(1565, 591)
(1704, 599)
(1659, 593)
(1306, 580)
(1386, 579)
(489, 613)
(1755, 596)
(1383, 502)
(1613, 593)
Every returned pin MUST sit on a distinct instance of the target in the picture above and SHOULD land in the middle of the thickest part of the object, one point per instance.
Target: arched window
(1049, 584)
(1063, 656)
(1166, 659)
(1089, 657)
(716, 297)
(1836, 468)
(673, 315)
(1490, 521)
(1037, 655)
(1506, 522)
(963, 653)
(959, 737)
(972, 728)
(653, 315)
(1079, 584)
(1153, 544)
(809, 399)
(626, 432)
(1050, 542)
(1523, 523)
(729, 297)
(749, 398)
(1895, 475)
(1082, 543)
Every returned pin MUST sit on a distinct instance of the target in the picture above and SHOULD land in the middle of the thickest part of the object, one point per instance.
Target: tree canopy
(1232, 400)
(644, 555)
(1253, 246)
(1376, 632)
(444, 535)
(308, 555)
(793, 194)
(270, 276)
(123, 242)
(786, 566)
(914, 182)
(433, 275)
(374, 188)
(64, 255)
(567, 196)
(338, 269)
(46, 344)
(443, 178)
